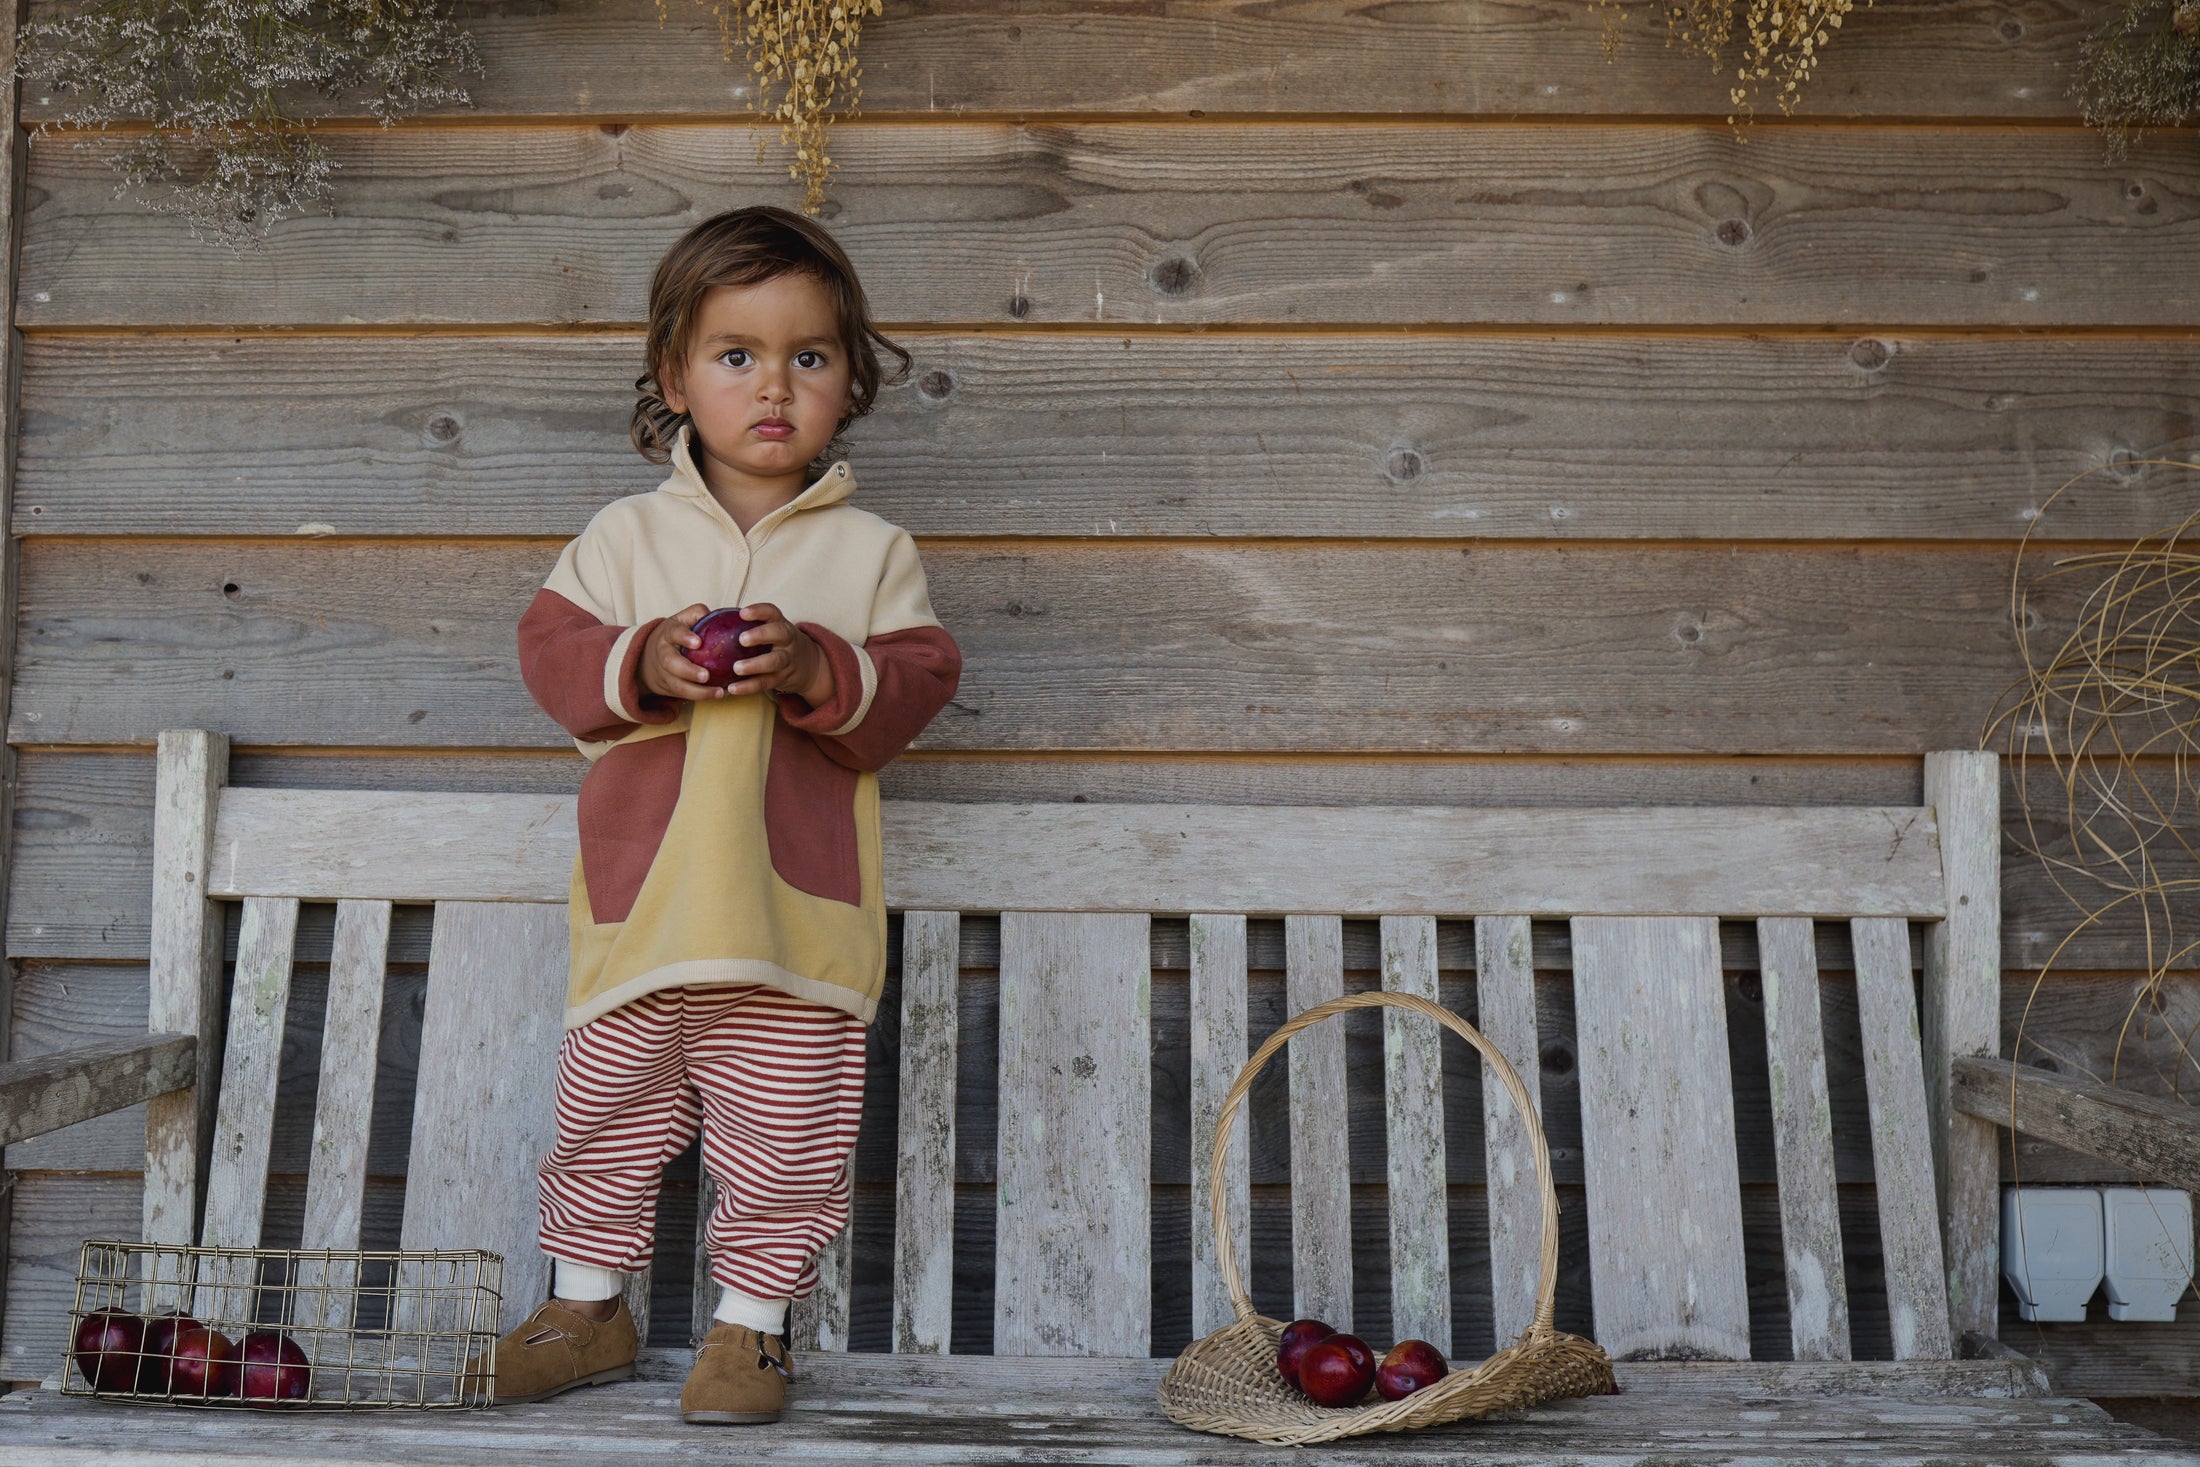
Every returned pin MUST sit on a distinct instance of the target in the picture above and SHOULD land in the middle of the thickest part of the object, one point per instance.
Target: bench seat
(976, 1409)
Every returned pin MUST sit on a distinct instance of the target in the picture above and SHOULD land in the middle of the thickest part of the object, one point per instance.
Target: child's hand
(782, 658)
(665, 671)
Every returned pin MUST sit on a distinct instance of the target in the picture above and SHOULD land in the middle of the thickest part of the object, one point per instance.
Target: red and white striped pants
(775, 1083)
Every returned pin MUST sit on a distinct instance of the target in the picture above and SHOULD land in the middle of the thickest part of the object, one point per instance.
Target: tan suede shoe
(740, 1378)
(555, 1349)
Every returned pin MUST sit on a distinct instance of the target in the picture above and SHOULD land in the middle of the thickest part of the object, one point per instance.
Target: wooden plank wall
(1322, 404)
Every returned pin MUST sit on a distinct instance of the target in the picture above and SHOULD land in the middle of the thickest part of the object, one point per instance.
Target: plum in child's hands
(721, 647)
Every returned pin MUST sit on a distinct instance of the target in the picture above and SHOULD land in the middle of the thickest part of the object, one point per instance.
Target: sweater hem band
(724, 970)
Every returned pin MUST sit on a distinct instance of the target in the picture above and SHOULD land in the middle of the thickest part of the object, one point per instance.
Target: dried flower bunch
(1782, 39)
(2141, 70)
(229, 88)
(806, 50)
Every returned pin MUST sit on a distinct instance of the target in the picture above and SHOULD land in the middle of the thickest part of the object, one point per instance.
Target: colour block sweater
(734, 840)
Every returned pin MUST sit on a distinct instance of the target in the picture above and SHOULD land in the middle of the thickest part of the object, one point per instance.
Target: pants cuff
(766, 1315)
(584, 1281)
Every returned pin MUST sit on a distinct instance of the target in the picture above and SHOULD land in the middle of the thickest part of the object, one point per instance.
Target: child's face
(763, 352)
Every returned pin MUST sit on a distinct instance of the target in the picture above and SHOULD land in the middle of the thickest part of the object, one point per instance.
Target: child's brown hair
(747, 247)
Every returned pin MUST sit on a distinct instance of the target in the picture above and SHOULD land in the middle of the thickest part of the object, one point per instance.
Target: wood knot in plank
(1176, 275)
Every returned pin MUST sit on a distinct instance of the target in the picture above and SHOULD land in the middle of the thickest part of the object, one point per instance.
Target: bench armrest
(71, 1085)
(2157, 1138)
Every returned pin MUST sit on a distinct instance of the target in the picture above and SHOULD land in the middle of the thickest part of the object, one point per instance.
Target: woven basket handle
(1546, 1288)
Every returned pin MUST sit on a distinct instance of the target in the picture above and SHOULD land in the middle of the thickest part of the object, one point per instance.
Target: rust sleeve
(884, 693)
(586, 673)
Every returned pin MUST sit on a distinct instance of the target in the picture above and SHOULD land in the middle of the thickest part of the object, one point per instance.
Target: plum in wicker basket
(1227, 1382)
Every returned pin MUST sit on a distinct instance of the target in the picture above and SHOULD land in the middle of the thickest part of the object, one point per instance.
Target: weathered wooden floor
(970, 1409)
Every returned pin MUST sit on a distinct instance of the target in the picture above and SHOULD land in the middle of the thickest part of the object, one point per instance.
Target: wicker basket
(377, 1329)
(1227, 1382)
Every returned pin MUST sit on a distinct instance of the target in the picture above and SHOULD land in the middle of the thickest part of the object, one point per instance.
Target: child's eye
(732, 351)
(817, 354)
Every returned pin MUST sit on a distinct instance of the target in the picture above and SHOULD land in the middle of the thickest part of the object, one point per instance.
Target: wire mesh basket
(300, 1329)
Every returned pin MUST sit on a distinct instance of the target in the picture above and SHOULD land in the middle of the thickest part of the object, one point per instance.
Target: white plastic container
(2147, 1238)
(2052, 1249)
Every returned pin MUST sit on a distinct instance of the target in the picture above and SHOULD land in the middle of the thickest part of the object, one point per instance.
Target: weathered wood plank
(244, 1120)
(1217, 1021)
(1413, 1071)
(623, 59)
(1070, 857)
(1962, 1015)
(1504, 1004)
(1657, 1136)
(1321, 1169)
(350, 1040)
(820, 1322)
(1618, 224)
(1902, 1148)
(706, 1290)
(84, 850)
(1561, 437)
(2157, 1138)
(1802, 1132)
(924, 1174)
(483, 1114)
(185, 976)
(1576, 649)
(67, 1086)
(394, 847)
(1072, 1242)
(351, 1034)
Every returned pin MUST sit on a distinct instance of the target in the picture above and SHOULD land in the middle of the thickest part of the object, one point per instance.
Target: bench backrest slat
(482, 1115)
(1751, 862)
(924, 1173)
(1504, 997)
(820, 1322)
(705, 1291)
(1657, 1139)
(1962, 1016)
(1321, 1168)
(1802, 1140)
(1218, 1036)
(244, 1122)
(1072, 1272)
(185, 972)
(351, 1040)
(1902, 1150)
(1413, 1093)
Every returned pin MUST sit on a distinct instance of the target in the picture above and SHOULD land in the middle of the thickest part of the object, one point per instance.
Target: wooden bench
(1075, 886)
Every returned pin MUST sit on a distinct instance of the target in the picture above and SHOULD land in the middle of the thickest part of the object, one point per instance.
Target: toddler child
(729, 930)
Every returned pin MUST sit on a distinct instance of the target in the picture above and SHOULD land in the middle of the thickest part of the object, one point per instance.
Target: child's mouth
(775, 430)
